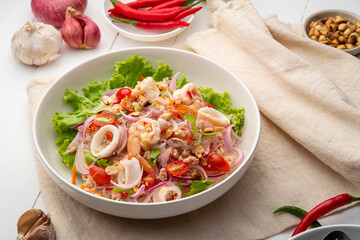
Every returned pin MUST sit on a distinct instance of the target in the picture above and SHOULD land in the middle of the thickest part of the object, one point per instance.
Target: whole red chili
(144, 15)
(322, 209)
(187, 13)
(141, 3)
(154, 25)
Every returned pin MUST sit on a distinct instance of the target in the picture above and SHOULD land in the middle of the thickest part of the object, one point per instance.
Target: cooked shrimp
(147, 88)
(144, 133)
(188, 95)
(210, 117)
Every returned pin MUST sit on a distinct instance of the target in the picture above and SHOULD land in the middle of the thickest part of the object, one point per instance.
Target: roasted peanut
(336, 31)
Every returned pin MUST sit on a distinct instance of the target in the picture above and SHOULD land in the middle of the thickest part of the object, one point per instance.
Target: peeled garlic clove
(79, 31)
(36, 43)
(35, 224)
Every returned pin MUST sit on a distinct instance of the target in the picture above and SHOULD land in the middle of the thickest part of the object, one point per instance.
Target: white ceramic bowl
(331, 13)
(352, 230)
(139, 34)
(199, 70)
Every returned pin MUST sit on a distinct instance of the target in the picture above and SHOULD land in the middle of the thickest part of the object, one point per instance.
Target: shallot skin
(53, 11)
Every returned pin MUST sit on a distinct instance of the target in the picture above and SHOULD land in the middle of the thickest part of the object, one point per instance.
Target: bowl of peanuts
(336, 28)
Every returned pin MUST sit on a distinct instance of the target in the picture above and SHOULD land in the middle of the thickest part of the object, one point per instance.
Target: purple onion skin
(53, 11)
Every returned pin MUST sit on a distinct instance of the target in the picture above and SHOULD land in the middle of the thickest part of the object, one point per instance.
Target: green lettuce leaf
(199, 186)
(221, 101)
(133, 69)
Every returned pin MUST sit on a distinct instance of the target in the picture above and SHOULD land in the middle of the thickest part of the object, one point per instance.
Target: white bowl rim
(324, 11)
(146, 38)
(134, 49)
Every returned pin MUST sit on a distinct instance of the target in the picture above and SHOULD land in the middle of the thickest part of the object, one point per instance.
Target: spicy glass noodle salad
(148, 135)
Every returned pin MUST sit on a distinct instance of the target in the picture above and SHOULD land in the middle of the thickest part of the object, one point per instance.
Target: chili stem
(300, 213)
(113, 2)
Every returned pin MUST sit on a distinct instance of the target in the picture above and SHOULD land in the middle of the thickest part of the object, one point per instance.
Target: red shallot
(79, 31)
(53, 11)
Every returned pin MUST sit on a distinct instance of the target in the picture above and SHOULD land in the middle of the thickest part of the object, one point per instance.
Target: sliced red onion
(76, 126)
(208, 150)
(159, 185)
(80, 162)
(197, 167)
(164, 157)
(135, 119)
(216, 175)
(227, 138)
(154, 111)
(86, 123)
(172, 84)
(170, 95)
(234, 135)
(111, 92)
(139, 192)
(117, 102)
(123, 137)
(75, 140)
(189, 126)
(240, 158)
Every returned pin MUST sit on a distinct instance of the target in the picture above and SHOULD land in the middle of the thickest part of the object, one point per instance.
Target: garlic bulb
(36, 43)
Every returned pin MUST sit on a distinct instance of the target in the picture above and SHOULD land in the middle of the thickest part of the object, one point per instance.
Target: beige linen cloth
(309, 98)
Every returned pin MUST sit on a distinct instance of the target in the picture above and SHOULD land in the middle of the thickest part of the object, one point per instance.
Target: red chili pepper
(144, 15)
(180, 3)
(153, 25)
(186, 13)
(322, 209)
(141, 3)
(189, 94)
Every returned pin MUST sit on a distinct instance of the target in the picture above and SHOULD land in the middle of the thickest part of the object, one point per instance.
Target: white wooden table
(18, 177)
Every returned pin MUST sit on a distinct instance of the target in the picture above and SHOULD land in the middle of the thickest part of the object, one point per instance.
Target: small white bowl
(331, 13)
(139, 34)
(197, 69)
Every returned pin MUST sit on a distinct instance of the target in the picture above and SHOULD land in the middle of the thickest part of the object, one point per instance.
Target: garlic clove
(35, 224)
(79, 31)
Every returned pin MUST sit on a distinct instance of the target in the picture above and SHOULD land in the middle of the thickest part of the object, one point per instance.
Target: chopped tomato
(92, 127)
(177, 168)
(142, 78)
(189, 94)
(148, 179)
(123, 92)
(109, 136)
(103, 119)
(99, 175)
(208, 105)
(216, 162)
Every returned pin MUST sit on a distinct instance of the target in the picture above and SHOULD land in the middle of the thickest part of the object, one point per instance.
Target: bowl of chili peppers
(150, 20)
